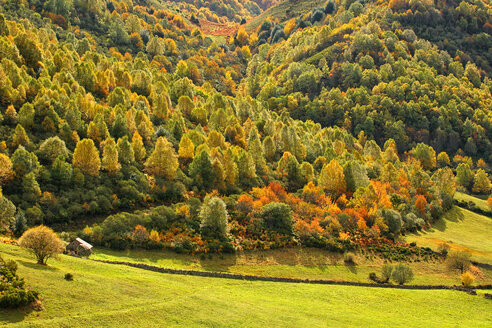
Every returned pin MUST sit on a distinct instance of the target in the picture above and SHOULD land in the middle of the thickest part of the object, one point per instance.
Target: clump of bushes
(400, 274)
(13, 293)
(386, 272)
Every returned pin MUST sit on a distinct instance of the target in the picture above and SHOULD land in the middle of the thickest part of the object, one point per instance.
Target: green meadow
(104, 295)
(462, 230)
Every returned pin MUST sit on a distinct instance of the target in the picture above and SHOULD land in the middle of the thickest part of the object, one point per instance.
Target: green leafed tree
(278, 217)
(213, 219)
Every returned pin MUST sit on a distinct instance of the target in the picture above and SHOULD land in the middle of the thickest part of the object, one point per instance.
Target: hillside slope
(104, 295)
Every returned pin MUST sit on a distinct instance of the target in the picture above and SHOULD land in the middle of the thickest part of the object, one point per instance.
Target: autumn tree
(20, 137)
(355, 175)
(186, 150)
(443, 159)
(42, 242)
(138, 147)
(6, 169)
(24, 162)
(163, 162)
(332, 179)
(481, 182)
(86, 157)
(110, 157)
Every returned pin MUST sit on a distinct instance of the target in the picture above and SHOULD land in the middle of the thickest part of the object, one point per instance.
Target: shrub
(349, 259)
(13, 294)
(68, 276)
(443, 248)
(373, 276)
(402, 273)
(278, 217)
(386, 272)
(458, 261)
(467, 279)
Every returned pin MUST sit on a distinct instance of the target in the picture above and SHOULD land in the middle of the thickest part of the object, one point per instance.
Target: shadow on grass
(352, 268)
(454, 215)
(13, 315)
(218, 262)
(36, 266)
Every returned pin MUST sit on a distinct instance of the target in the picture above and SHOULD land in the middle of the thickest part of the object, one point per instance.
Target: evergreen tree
(201, 171)
(126, 156)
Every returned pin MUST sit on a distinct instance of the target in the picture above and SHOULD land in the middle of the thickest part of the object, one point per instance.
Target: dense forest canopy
(345, 126)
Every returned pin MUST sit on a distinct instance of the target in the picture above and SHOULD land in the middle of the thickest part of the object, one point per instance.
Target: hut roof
(83, 243)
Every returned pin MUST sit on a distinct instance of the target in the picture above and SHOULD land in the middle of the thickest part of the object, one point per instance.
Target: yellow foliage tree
(86, 157)
(289, 26)
(138, 147)
(163, 162)
(6, 172)
(242, 37)
(186, 150)
(110, 156)
(42, 242)
(332, 179)
(481, 182)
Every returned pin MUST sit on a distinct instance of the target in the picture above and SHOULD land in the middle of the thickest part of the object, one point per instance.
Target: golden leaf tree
(163, 162)
(110, 157)
(42, 242)
(332, 179)
(6, 172)
(186, 150)
(86, 157)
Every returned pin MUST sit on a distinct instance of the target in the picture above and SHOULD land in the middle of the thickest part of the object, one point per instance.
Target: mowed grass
(481, 203)
(462, 230)
(291, 263)
(105, 295)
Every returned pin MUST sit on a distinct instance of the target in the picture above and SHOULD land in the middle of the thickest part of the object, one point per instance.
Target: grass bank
(104, 295)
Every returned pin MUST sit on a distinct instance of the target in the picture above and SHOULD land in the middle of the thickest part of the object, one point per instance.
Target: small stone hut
(79, 247)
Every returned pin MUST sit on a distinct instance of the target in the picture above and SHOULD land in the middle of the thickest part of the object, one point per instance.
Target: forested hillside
(341, 128)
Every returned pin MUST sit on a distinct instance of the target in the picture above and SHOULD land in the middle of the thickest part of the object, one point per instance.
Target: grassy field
(462, 230)
(291, 263)
(284, 11)
(105, 295)
(481, 203)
